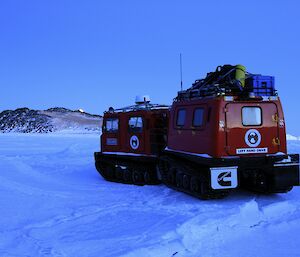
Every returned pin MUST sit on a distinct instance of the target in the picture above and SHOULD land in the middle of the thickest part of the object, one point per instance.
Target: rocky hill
(25, 120)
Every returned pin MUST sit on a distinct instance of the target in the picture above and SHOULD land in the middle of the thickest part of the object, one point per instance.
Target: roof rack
(229, 80)
(139, 107)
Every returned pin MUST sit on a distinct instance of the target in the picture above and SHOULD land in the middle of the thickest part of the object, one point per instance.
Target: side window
(181, 117)
(135, 124)
(198, 120)
(251, 116)
(112, 125)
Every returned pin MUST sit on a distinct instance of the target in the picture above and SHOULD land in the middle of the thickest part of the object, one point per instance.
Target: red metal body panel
(223, 133)
(154, 125)
(235, 131)
(190, 138)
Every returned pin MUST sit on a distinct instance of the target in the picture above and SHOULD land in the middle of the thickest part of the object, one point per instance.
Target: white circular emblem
(134, 142)
(252, 138)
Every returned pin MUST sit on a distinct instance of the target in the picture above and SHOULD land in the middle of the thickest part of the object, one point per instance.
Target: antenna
(180, 72)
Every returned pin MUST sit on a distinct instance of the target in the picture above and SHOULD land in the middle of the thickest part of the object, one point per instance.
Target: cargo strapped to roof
(229, 80)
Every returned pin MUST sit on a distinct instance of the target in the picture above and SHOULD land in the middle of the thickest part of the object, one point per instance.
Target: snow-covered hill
(54, 203)
(24, 120)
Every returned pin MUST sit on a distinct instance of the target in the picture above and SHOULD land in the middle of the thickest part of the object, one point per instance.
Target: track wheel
(137, 177)
(172, 176)
(204, 188)
(106, 171)
(179, 179)
(127, 176)
(195, 184)
(147, 177)
(118, 173)
(109, 171)
(186, 181)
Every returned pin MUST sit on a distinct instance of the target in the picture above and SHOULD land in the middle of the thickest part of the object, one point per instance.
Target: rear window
(135, 124)
(198, 117)
(180, 117)
(251, 116)
(112, 125)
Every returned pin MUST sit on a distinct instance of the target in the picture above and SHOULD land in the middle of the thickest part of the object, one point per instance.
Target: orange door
(251, 128)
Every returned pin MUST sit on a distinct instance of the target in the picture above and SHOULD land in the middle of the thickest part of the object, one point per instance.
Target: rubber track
(128, 172)
(169, 165)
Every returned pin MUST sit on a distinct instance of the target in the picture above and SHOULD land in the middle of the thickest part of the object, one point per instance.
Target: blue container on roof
(261, 85)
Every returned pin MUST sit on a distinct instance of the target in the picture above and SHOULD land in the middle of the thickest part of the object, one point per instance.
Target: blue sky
(95, 54)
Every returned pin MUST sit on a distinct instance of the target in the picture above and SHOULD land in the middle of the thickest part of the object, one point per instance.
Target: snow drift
(54, 203)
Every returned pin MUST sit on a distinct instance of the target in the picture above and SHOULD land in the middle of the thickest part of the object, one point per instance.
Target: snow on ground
(54, 203)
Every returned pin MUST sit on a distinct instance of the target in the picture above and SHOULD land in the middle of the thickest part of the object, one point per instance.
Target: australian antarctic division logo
(252, 138)
(134, 142)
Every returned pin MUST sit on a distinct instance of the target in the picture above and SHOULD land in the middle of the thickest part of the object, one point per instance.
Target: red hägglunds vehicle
(132, 139)
(224, 132)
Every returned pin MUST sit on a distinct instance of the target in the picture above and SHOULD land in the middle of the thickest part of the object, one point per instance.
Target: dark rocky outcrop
(25, 120)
